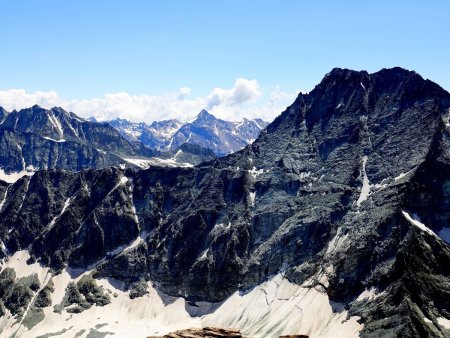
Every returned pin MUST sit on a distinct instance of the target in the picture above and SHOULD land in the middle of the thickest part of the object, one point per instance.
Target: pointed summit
(37, 107)
(204, 116)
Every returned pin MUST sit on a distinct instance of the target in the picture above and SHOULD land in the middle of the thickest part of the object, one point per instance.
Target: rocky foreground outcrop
(207, 332)
(212, 332)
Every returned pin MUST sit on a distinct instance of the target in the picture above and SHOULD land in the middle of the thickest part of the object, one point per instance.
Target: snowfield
(273, 308)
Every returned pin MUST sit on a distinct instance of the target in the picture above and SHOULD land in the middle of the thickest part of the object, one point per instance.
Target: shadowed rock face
(347, 189)
(189, 153)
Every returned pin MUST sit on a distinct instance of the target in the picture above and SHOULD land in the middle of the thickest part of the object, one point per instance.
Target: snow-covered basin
(273, 308)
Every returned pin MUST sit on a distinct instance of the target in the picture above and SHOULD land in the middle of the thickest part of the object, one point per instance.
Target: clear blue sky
(84, 49)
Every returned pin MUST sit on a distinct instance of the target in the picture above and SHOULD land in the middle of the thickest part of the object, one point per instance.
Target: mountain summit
(207, 131)
(335, 222)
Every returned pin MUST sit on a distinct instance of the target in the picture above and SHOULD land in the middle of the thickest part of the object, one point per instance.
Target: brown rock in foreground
(212, 332)
(207, 332)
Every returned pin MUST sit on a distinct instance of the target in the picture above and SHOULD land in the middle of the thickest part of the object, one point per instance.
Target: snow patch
(337, 241)
(365, 189)
(15, 176)
(444, 322)
(401, 175)
(53, 221)
(55, 122)
(415, 220)
(18, 262)
(220, 226)
(5, 196)
(304, 175)
(189, 138)
(273, 308)
(368, 294)
(179, 152)
(53, 140)
(203, 256)
(255, 173)
(119, 250)
(146, 163)
(278, 307)
(73, 130)
(258, 125)
(253, 198)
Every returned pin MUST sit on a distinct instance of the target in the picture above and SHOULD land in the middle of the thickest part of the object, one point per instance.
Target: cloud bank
(244, 99)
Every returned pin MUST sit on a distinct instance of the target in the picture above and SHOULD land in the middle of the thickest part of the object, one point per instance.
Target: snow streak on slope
(415, 220)
(276, 307)
(156, 161)
(365, 189)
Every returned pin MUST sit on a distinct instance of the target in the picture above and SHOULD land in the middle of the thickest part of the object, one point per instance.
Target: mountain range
(207, 131)
(334, 222)
(37, 138)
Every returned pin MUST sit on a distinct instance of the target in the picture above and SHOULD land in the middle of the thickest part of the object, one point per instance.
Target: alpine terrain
(207, 131)
(38, 138)
(334, 222)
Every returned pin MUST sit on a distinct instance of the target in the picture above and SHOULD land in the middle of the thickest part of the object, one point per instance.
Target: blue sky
(84, 50)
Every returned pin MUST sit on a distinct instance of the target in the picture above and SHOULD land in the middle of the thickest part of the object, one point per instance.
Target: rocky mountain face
(38, 138)
(156, 136)
(335, 222)
(207, 131)
(3, 114)
(189, 153)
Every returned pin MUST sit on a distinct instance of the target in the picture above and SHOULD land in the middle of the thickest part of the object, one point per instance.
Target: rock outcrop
(207, 332)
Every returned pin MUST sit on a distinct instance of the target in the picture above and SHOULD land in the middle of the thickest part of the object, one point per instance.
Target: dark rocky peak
(36, 120)
(368, 111)
(204, 117)
(344, 90)
(36, 107)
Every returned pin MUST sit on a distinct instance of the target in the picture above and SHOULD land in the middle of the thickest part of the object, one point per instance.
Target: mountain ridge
(342, 198)
(222, 137)
(36, 138)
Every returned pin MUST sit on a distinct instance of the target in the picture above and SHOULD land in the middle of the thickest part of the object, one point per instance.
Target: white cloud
(185, 91)
(244, 99)
(243, 91)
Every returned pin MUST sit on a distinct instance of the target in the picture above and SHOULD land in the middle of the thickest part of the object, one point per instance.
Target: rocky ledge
(212, 332)
(207, 332)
